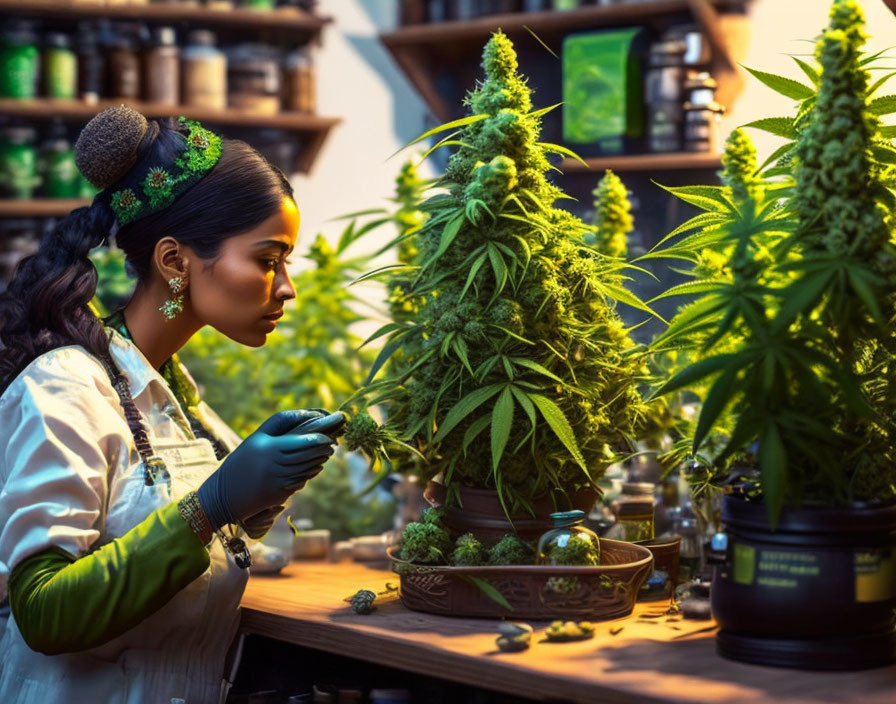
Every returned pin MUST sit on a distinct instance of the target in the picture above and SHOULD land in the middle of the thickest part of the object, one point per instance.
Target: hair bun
(107, 146)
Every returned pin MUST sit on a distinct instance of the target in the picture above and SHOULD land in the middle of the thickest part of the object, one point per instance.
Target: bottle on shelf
(57, 168)
(663, 95)
(299, 91)
(19, 59)
(161, 68)
(91, 64)
(122, 62)
(263, 5)
(204, 72)
(18, 162)
(253, 79)
(60, 66)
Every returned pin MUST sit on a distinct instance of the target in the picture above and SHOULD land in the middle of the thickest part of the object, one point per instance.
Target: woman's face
(241, 292)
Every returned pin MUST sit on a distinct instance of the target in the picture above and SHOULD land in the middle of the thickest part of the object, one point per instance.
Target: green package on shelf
(602, 88)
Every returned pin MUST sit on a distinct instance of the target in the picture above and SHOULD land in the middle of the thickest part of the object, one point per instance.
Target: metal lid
(562, 519)
(638, 488)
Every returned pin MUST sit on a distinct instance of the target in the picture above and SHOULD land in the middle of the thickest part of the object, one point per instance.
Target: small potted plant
(517, 381)
(793, 337)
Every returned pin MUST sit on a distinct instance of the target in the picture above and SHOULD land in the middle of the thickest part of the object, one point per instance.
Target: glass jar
(634, 509)
(61, 178)
(122, 65)
(19, 60)
(91, 65)
(298, 83)
(60, 66)
(161, 68)
(204, 72)
(253, 79)
(568, 542)
(18, 162)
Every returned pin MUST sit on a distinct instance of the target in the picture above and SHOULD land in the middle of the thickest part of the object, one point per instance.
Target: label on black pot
(875, 575)
(777, 568)
(784, 569)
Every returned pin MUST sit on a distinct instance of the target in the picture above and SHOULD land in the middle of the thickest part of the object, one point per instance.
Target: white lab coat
(70, 476)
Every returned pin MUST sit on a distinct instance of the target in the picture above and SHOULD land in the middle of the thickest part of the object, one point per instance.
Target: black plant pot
(817, 593)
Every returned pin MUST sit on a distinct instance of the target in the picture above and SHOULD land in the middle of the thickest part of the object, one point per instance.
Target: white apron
(66, 447)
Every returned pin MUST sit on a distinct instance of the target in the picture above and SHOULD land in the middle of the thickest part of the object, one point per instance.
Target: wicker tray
(534, 591)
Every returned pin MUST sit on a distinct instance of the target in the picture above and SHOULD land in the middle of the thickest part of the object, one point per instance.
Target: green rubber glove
(63, 605)
(265, 469)
(332, 425)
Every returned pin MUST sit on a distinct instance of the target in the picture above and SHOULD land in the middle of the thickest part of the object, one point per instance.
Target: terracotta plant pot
(482, 514)
(817, 593)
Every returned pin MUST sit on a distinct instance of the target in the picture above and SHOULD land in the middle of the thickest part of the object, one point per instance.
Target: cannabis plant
(517, 373)
(612, 218)
(794, 328)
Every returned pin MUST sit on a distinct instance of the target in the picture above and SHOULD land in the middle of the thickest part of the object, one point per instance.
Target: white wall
(776, 30)
(380, 110)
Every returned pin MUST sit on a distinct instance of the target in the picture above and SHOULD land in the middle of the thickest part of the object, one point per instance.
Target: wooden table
(649, 660)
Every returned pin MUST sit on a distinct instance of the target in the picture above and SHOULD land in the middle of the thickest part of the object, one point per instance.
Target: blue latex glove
(265, 469)
(332, 425)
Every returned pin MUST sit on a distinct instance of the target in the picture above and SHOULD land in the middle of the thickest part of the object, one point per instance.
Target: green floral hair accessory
(159, 188)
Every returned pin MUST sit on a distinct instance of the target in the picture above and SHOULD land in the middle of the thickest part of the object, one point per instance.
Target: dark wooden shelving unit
(422, 50)
(285, 25)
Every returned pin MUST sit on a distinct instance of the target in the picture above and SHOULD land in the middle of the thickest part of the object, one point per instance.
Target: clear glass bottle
(634, 509)
(568, 542)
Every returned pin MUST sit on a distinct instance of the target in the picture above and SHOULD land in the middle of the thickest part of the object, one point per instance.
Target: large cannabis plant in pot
(516, 374)
(795, 333)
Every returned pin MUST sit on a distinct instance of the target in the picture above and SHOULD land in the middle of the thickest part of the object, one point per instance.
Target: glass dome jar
(568, 542)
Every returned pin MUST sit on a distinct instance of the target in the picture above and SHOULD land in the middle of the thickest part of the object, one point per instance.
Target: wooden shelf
(39, 207)
(421, 50)
(299, 26)
(313, 128)
(644, 162)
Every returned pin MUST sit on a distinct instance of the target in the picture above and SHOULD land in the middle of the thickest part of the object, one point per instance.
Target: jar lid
(202, 37)
(164, 36)
(638, 488)
(19, 31)
(562, 519)
(57, 39)
(18, 135)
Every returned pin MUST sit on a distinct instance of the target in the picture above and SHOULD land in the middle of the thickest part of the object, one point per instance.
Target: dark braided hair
(46, 303)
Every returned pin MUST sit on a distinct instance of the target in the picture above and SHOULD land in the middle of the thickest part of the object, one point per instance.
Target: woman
(122, 495)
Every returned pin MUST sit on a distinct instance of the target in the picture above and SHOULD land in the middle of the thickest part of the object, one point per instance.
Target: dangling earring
(172, 307)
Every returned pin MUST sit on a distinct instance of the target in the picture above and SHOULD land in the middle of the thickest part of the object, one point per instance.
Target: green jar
(18, 162)
(568, 542)
(60, 174)
(60, 67)
(19, 61)
(258, 4)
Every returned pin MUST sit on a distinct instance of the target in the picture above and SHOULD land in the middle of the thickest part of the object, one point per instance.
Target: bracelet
(191, 510)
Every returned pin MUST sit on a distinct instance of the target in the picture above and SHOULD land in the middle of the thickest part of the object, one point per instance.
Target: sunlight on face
(248, 279)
